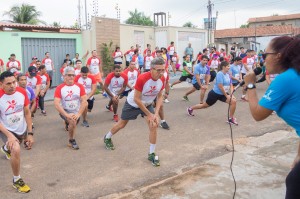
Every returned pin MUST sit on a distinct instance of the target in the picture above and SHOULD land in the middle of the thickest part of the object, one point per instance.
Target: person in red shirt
(149, 86)
(118, 56)
(34, 60)
(47, 61)
(154, 53)
(13, 65)
(147, 49)
(90, 85)
(44, 87)
(132, 74)
(15, 125)
(171, 49)
(1, 66)
(128, 55)
(115, 84)
(174, 63)
(70, 101)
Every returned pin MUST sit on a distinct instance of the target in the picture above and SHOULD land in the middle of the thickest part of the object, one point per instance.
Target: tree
(56, 24)
(189, 25)
(106, 58)
(244, 26)
(139, 18)
(25, 14)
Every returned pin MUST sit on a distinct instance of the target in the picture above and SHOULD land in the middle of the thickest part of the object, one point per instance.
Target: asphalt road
(54, 171)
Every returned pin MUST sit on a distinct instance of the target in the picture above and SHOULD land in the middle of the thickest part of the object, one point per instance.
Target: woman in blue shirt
(221, 90)
(282, 96)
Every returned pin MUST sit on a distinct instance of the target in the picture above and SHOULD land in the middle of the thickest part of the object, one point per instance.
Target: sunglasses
(264, 55)
(70, 75)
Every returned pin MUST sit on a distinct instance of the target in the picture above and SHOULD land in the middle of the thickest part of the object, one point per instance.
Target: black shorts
(235, 84)
(213, 97)
(65, 119)
(130, 113)
(125, 93)
(197, 86)
(183, 78)
(19, 137)
(127, 63)
(118, 62)
(90, 103)
(243, 74)
(171, 57)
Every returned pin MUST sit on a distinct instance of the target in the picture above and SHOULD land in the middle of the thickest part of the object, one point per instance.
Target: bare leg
(15, 159)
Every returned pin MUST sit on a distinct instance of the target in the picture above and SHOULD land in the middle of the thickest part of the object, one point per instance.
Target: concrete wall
(127, 36)
(10, 42)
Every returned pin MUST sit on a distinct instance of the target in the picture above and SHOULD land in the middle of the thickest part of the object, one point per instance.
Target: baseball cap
(32, 70)
(34, 58)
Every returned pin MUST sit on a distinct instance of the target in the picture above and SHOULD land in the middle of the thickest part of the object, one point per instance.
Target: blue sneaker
(104, 94)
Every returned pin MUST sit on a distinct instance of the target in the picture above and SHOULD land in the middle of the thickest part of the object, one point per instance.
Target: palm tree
(139, 18)
(26, 14)
(189, 25)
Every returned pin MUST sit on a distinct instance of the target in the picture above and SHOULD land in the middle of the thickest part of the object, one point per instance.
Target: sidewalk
(260, 167)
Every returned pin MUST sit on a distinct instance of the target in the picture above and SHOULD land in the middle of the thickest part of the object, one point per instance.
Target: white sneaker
(166, 101)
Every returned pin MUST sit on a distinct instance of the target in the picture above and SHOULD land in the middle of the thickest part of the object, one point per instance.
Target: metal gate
(58, 48)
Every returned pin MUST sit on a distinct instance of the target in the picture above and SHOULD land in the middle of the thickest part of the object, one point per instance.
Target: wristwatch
(251, 86)
(30, 133)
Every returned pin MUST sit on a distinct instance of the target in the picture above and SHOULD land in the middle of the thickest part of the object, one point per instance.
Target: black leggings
(293, 183)
(262, 79)
(213, 75)
(41, 102)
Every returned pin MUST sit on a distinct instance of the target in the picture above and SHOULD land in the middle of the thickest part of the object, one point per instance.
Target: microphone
(256, 71)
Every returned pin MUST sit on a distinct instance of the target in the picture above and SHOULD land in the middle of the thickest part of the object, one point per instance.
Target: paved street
(192, 145)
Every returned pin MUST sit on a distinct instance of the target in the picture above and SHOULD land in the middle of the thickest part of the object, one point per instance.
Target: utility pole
(79, 14)
(209, 9)
(86, 15)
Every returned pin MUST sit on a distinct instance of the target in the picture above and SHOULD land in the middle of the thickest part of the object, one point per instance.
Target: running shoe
(6, 152)
(116, 118)
(104, 94)
(108, 143)
(154, 159)
(73, 144)
(164, 125)
(21, 186)
(109, 108)
(85, 123)
(166, 101)
(185, 98)
(232, 121)
(190, 111)
(44, 112)
(171, 87)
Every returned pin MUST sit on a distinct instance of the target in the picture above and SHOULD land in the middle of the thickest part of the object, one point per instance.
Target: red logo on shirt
(70, 94)
(11, 105)
(152, 88)
(84, 83)
(116, 84)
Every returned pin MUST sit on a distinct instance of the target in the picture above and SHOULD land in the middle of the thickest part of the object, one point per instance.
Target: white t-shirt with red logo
(12, 110)
(129, 54)
(132, 77)
(77, 71)
(34, 81)
(94, 63)
(118, 59)
(48, 63)
(114, 83)
(174, 59)
(148, 87)
(70, 96)
(171, 50)
(44, 80)
(147, 61)
(250, 61)
(87, 83)
(214, 64)
(11, 64)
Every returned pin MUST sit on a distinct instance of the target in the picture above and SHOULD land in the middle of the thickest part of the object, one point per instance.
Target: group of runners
(146, 86)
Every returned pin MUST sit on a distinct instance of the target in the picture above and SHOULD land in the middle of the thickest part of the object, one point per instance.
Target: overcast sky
(232, 13)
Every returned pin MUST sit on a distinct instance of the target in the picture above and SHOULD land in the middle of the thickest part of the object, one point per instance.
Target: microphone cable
(231, 135)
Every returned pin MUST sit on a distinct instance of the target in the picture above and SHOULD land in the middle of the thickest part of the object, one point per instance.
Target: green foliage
(139, 18)
(56, 24)
(244, 26)
(106, 57)
(189, 25)
(25, 14)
